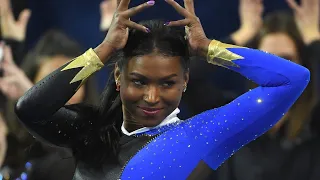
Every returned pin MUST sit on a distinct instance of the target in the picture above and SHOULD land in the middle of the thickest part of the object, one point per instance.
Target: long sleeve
(191, 148)
(221, 132)
(42, 109)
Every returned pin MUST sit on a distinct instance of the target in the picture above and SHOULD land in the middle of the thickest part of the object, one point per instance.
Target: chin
(151, 122)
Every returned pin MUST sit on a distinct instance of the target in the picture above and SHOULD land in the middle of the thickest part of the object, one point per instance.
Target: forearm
(242, 37)
(18, 50)
(53, 92)
(256, 65)
(310, 36)
(230, 127)
(104, 52)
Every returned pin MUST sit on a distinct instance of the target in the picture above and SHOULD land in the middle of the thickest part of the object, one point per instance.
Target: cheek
(130, 94)
(172, 97)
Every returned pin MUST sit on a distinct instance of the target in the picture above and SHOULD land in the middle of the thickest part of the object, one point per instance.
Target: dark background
(80, 20)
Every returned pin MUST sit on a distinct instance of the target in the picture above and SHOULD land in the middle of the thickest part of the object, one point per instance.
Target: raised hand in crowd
(11, 28)
(107, 9)
(307, 19)
(14, 82)
(250, 12)
(3, 139)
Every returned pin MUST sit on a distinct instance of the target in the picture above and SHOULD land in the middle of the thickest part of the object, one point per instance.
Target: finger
(137, 26)
(24, 17)
(1, 54)
(5, 8)
(104, 5)
(6, 84)
(124, 5)
(182, 22)
(259, 6)
(178, 8)
(114, 4)
(189, 5)
(7, 55)
(108, 6)
(9, 88)
(10, 69)
(293, 5)
(310, 4)
(132, 11)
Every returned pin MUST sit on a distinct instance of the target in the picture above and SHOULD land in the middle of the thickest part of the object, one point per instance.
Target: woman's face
(151, 87)
(281, 45)
(51, 64)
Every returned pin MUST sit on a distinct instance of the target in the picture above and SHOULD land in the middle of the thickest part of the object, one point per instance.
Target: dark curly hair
(101, 142)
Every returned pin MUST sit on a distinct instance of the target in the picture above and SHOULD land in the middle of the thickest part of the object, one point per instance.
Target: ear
(186, 77)
(117, 72)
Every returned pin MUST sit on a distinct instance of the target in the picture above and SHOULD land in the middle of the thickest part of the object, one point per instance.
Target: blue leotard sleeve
(218, 133)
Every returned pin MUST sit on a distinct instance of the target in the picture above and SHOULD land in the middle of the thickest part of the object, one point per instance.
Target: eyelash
(140, 83)
(168, 83)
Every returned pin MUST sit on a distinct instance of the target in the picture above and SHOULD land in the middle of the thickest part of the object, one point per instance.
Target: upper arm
(63, 128)
(221, 132)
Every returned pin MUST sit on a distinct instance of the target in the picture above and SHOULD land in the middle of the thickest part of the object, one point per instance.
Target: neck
(129, 122)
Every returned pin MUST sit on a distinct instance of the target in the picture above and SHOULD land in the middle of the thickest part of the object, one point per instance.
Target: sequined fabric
(129, 146)
(181, 150)
(213, 136)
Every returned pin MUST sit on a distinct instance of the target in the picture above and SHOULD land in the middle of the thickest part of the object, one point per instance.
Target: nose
(152, 95)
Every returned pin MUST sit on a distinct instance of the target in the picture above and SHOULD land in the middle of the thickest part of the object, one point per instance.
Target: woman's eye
(168, 84)
(138, 82)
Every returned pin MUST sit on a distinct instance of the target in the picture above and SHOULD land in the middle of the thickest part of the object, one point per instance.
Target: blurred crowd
(289, 151)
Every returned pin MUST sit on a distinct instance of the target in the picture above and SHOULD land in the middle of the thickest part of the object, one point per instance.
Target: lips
(150, 111)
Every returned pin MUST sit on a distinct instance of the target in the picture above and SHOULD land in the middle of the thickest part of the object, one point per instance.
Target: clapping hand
(14, 82)
(307, 19)
(11, 28)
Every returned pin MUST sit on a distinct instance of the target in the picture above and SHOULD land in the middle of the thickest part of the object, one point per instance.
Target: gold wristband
(219, 55)
(90, 63)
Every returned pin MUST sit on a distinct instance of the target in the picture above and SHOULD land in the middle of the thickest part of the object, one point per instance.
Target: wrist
(203, 51)
(309, 37)
(242, 36)
(104, 51)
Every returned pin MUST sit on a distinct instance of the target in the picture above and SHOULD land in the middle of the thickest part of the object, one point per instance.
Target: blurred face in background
(281, 45)
(49, 65)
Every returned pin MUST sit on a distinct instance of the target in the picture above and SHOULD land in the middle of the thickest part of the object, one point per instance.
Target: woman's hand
(14, 82)
(107, 9)
(250, 12)
(198, 41)
(307, 19)
(118, 32)
(10, 28)
(3, 139)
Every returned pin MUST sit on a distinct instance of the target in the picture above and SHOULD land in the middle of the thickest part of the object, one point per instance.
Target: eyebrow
(144, 77)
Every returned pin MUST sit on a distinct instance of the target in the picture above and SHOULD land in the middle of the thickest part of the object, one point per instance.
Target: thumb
(104, 6)
(24, 17)
(7, 55)
(108, 7)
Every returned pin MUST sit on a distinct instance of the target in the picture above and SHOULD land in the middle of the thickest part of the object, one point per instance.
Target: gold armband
(90, 63)
(219, 55)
